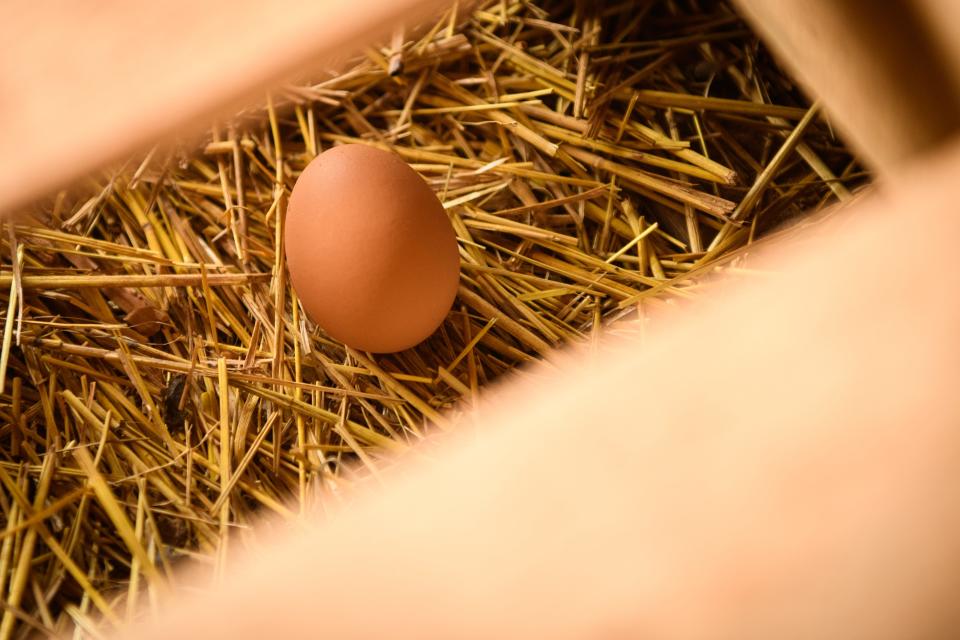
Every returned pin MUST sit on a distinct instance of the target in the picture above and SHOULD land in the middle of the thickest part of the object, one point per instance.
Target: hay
(160, 384)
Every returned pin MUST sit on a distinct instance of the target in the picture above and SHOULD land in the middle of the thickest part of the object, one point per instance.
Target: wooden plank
(877, 67)
(83, 84)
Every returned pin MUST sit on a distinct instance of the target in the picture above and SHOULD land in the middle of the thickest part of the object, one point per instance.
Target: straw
(160, 385)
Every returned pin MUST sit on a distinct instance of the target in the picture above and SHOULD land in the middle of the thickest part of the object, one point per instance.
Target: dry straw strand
(159, 383)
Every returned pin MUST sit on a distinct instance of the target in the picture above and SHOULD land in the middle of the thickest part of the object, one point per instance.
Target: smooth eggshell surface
(370, 250)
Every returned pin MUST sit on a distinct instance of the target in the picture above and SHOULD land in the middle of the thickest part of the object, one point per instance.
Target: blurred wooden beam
(942, 19)
(883, 75)
(86, 83)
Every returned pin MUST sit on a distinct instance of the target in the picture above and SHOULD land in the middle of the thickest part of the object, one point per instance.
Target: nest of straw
(159, 384)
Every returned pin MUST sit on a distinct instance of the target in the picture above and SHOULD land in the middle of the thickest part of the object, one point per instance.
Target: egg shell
(370, 250)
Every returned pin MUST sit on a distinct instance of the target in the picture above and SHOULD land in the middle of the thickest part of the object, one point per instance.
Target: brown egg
(370, 250)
